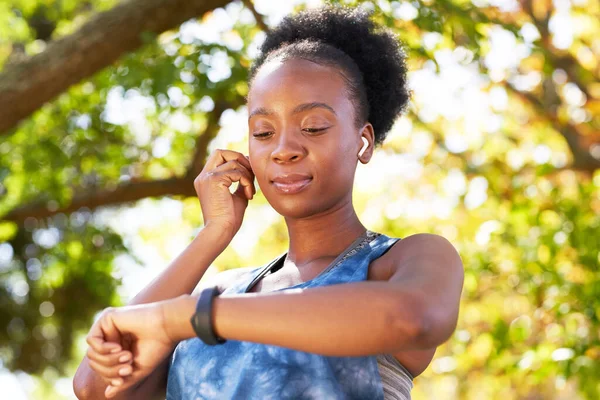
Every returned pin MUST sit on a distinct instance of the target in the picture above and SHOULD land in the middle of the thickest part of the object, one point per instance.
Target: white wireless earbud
(360, 153)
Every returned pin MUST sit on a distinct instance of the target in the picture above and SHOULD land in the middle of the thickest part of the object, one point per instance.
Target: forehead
(290, 82)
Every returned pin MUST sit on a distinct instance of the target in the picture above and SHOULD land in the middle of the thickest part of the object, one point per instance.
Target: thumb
(97, 340)
(242, 191)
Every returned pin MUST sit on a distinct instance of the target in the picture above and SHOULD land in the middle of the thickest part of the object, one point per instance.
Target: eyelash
(264, 134)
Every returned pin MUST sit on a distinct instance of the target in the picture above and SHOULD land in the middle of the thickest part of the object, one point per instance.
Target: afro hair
(370, 57)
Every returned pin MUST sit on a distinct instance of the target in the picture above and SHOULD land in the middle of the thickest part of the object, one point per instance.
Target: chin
(296, 209)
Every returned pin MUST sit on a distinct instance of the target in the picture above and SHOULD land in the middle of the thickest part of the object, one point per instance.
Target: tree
(530, 309)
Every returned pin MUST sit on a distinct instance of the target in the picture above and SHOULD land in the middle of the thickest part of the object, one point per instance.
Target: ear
(368, 133)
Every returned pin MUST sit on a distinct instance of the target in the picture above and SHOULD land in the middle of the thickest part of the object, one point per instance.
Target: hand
(219, 206)
(127, 344)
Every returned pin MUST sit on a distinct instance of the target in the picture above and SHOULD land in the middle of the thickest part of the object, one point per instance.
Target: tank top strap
(380, 246)
(355, 267)
(240, 285)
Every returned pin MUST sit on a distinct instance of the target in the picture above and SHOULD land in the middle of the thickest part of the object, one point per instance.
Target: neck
(323, 235)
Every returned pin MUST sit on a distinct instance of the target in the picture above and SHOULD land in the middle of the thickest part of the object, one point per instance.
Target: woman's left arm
(417, 308)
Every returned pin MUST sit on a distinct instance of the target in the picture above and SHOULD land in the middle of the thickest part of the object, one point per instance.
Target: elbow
(419, 327)
(82, 392)
(423, 328)
(83, 385)
(410, 324)
(430, 330)
(85, 391)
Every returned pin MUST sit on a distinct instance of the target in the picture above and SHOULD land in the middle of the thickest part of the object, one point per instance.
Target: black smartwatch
(202, 319)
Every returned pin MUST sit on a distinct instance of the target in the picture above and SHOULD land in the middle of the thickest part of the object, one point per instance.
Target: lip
(291, 178)
(291, 183)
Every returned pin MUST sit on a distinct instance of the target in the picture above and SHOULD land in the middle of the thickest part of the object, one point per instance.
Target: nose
(288, 148)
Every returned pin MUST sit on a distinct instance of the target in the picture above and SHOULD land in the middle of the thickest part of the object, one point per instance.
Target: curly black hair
(370, 57)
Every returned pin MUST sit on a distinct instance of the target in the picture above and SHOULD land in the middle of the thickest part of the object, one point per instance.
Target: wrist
(176, 316)
(220, 233)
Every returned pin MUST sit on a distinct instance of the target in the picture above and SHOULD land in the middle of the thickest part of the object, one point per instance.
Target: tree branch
(122, 194)
(136, 190)
(582, 159)
(260, 21)
(25, 86)
(564, 61)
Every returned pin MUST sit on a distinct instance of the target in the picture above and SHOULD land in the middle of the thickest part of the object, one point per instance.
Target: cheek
(337, 167)
(255, 157)
(257, 162)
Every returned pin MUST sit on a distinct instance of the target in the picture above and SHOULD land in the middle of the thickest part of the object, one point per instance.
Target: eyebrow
(298, 109)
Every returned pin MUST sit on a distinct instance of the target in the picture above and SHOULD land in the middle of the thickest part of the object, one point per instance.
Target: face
(302, 122)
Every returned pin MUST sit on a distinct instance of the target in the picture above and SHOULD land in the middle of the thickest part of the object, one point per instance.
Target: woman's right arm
(180, 277)
(223, 214)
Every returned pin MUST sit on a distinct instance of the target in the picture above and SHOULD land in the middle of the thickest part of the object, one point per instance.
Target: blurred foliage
(58, 277)
(516, 191)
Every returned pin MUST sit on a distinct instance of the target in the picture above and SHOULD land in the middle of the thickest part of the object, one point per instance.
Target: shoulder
(423, 241)
(420, 245)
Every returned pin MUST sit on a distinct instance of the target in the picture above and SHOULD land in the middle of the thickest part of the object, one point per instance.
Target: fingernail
(116, 382)
(115, 350)
(124, 371)
(124, 358)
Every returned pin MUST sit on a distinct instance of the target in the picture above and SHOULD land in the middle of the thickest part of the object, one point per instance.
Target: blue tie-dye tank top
(246, 370)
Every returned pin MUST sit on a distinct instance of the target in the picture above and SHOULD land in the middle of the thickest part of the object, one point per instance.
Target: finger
(122, 357)
(233, 167)
(229, 166)
(241, 176)
(119, 385)
(96, 339)
(243, 191)
(248, 186)
(116, 382)
(110, 391)
(245, 161)
(234, 164)
(109, 373)
(109, 329)
(221, 156)
(113, 389)
(100, 346)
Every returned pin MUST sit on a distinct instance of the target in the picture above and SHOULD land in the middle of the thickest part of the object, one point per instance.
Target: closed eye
(310, 130)
(313, 130)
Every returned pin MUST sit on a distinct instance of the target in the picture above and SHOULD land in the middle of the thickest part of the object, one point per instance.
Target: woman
(345, 312)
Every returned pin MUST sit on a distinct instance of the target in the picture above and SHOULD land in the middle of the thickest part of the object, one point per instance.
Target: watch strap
(202, 318)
